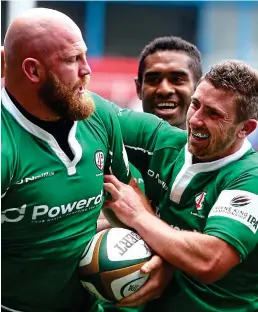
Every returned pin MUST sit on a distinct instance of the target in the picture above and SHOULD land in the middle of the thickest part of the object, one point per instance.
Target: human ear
(246, 128)
(138, 88)
(32, 69)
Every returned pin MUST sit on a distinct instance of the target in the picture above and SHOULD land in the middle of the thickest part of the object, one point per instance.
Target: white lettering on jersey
(46, 213)
(155, 175)
(239, 205)
(42, 175)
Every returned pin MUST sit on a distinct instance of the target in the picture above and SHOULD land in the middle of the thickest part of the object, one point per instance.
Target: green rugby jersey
(50, 204)
(136, 175)
(218, 198)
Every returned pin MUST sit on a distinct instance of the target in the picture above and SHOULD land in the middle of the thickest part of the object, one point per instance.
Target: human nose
(165, 88)
(84, 68)
(196, 119)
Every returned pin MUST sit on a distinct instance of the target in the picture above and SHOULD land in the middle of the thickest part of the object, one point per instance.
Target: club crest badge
(199, 201)
(99, 160)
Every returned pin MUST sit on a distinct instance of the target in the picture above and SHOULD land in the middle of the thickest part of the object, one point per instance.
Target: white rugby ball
(110, 264)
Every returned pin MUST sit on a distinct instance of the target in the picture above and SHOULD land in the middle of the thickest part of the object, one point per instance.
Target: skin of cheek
(220, 134)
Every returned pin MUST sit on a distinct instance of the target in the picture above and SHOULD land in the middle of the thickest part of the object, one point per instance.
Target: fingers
(112, 179)
(142, 295)
(153, 264)
(109, 187)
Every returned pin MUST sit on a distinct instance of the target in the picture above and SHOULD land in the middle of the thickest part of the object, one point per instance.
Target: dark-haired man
(204, 183)
(168, 72)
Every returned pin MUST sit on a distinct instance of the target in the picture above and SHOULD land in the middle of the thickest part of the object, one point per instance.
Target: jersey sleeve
(137, 177)
(234, 216)
(117, 160)
(141, 132)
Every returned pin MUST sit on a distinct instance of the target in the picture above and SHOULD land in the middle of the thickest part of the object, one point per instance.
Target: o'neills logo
(239, 201)
(99, 159)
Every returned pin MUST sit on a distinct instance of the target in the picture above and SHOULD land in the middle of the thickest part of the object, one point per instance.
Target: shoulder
(104, 113)
(243, 173)
(103, 106)
(171, 137)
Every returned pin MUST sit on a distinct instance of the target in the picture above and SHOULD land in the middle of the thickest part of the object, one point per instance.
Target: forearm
(199, 255)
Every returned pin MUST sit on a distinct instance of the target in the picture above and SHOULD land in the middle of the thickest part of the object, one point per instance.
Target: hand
(125, 203)
(161, 273)
(102, 223)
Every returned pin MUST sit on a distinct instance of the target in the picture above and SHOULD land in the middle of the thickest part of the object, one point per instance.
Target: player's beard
(218, 146)
(65, 101)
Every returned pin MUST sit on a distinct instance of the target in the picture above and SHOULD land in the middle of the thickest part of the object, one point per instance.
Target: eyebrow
(209, 107)
(174, 73)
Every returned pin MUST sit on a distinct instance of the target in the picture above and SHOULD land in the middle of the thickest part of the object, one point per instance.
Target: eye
(177, 80)
(152, 79)
(194, 104)
(215, 114)
(73, 59)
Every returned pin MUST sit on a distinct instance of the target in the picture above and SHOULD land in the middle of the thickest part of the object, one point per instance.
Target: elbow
(209, 273)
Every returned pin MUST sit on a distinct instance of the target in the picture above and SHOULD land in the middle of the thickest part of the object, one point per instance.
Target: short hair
(242, 80)
(171, 43)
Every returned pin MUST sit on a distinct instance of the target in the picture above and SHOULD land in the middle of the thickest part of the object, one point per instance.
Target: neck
(183, 126)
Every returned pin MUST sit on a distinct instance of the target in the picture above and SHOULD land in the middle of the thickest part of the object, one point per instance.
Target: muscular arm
(204, 257)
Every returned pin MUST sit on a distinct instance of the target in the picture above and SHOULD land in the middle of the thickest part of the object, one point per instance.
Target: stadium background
(116, 31)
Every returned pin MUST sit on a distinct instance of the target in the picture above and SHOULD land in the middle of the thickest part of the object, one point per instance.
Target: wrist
(142, 221)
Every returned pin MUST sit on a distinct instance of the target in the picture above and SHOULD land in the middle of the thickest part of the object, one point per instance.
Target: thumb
(153, 264)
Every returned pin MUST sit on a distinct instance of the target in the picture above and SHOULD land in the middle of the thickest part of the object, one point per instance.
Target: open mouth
(200, 136)
(165, 105)
(166, 109)
(81, 90)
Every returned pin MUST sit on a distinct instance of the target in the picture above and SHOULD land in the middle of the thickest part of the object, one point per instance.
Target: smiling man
(168, 72)
(204, 185)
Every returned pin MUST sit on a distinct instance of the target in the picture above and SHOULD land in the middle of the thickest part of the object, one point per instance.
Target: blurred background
(116, 31)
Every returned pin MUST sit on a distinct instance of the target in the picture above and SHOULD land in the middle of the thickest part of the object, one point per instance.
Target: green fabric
(218, 198)
(50, 205)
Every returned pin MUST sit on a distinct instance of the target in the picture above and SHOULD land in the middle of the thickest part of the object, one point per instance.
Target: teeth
(81, 90)
(200, 135)
(169, 105)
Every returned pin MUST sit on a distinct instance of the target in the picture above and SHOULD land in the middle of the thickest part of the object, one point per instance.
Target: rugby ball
(110, 264)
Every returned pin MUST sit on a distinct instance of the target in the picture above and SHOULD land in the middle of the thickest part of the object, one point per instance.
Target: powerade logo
(44, 213)
(240, 201)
